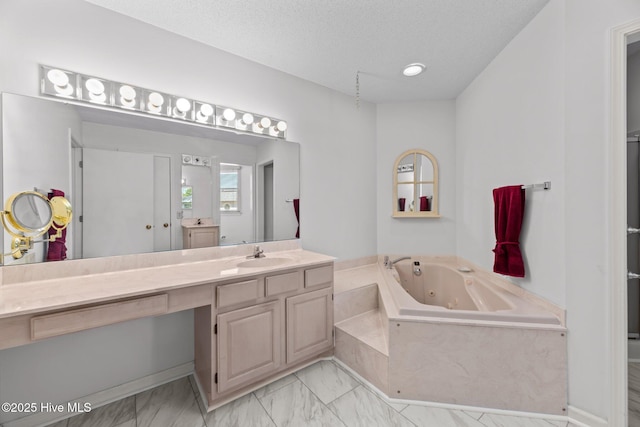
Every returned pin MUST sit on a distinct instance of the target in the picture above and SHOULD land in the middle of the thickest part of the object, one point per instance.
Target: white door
(161, 203)
(117, 203)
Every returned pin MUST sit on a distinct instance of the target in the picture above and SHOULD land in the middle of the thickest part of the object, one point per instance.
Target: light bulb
(60, 81)
(127, 93)
(206, 110)
(281, 126)
(204, 113)
(94, 86)
(413, 69)
(247, 118)
(58, 77)
(155, 99)
(183, 105)
(228, 114)
(265, 122)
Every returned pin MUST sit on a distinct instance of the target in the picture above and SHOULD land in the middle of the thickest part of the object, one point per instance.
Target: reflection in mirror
(28, 215)
(187, 197)
(31, 212)
(124, 172)
(415, 185)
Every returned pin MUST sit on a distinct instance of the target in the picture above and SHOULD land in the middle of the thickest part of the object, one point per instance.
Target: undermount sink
(262, 262)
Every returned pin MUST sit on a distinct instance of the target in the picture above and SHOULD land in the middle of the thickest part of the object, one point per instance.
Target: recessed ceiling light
(413, 69)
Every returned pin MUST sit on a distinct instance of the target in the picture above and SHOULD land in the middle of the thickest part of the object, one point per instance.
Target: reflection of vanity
(199, 233)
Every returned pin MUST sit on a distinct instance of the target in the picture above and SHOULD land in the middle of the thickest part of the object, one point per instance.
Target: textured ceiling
(327, 41)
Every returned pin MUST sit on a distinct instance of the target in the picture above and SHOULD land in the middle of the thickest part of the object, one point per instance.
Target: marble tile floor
(634, 394)
(322, 395)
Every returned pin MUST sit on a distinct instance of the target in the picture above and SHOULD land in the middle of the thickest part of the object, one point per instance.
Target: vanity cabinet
(263, 328)
(200, 236)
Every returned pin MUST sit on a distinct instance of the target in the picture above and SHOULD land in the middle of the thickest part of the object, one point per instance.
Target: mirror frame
(434, 212)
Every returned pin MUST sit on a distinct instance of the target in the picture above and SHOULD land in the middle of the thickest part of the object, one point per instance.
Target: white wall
(509, 132)
(588, 25)
(334, 136)
(428, 125)
(50, 168)
(540, 111)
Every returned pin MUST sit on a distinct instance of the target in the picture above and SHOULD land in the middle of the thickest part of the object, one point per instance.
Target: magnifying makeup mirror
(28, 215)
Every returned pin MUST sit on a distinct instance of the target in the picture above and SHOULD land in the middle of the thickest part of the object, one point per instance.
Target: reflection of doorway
(268, 201)
(74, 233)
(618, 293)
(131, 193)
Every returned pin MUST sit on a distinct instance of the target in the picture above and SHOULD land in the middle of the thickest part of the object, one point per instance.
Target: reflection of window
(230, 187)
(187, 197)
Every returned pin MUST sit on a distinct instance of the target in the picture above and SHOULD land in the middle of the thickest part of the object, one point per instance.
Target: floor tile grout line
(321, 402)
(265, 409)
(326, 404)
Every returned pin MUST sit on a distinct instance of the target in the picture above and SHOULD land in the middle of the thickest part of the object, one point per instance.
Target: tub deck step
(362, 346)
(367, 327)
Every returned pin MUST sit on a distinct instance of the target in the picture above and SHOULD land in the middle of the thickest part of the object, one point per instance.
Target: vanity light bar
(67, 84)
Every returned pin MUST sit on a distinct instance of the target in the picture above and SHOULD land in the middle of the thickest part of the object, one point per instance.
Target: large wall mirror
(134, 181)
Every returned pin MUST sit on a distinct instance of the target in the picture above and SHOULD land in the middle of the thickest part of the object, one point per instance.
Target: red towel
(57, 250)
(509, 212)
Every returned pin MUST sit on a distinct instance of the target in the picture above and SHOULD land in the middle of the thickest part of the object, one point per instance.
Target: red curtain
(509, 213)
(296, 207)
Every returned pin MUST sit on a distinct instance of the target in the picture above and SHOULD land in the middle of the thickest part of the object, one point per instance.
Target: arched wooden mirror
(415, 185)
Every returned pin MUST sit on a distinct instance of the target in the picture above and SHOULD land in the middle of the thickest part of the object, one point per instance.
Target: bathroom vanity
(256, 319)
(200, 236)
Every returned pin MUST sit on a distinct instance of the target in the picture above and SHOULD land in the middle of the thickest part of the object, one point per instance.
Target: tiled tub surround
(512, 363)
(253, 324)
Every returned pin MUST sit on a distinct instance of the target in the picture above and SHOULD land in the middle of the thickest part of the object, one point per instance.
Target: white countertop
(46, 295)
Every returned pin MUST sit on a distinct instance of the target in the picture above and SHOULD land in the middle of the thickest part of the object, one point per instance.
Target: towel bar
(544, 185)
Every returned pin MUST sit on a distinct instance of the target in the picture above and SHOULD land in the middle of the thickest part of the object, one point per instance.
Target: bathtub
(471, 337)
(468, 338)
(447, 288)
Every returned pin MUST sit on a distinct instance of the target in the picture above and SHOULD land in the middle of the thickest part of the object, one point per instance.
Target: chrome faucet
(257, 252)
(389, 264)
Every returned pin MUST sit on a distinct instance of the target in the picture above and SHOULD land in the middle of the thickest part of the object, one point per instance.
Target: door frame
(617, 225)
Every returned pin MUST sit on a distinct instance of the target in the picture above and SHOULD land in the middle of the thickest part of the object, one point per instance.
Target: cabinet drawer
(237, 293)
(318, 276)
(51, 325)
(282, 283)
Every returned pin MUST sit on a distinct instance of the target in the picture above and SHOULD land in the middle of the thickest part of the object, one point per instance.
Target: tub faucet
(257, 252)
(389, 264)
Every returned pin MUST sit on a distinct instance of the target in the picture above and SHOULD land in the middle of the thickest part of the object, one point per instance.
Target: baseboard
(585, 419)
(105, 397)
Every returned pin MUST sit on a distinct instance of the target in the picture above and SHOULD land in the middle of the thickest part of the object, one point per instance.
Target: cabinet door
(309, 324)
(204, 237)
(248, 344)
